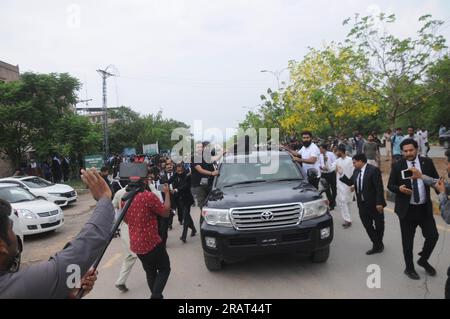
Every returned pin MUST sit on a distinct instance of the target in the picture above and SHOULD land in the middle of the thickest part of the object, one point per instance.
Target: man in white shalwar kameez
(344, 196)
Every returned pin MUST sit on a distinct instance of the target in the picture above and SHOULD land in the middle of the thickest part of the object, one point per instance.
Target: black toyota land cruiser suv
(255, 212)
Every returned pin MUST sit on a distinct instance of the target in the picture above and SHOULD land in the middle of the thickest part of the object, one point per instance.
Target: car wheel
(321, 255)
(447, 145)
(213, 263)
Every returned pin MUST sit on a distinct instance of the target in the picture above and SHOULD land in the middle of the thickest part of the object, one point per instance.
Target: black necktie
(360, 189)
(415, 188)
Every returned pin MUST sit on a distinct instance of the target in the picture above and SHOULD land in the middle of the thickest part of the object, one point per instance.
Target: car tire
(321, 255)
(447, 145)
(213, 263)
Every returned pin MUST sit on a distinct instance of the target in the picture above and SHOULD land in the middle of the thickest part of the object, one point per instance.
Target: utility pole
(105, 75)
(277, 75)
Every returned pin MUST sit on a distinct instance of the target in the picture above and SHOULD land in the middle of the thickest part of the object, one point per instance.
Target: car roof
(254, 156)
(4, 185)
(19, 178)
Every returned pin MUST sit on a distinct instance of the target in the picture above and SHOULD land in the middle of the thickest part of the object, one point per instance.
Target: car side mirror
(312, 173)
(41, 197)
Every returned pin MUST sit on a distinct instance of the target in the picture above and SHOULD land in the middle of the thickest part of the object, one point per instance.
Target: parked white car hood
(36, 206)
(57, 188)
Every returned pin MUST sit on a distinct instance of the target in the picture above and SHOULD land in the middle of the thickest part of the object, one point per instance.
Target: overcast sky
(193, 59)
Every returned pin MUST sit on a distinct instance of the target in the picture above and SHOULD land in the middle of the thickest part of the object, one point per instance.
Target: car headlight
(216, 217)
(314, 209)
(56, 194)
(27, 214)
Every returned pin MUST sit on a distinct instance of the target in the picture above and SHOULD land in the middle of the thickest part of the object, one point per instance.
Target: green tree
(126, 129)
(130, 129)
(436, 108)
(328, 91)
(158, 129)
(269, 114)
(398, 66)
(30, 109)
(73, 136)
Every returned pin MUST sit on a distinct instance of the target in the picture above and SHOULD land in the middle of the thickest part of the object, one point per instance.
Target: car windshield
(248, 173)
(16, 194)
(36, 182)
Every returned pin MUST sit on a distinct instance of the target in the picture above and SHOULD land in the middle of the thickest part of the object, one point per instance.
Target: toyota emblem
(267, 215)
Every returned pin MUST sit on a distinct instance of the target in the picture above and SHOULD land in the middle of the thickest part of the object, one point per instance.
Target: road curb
(82, 191)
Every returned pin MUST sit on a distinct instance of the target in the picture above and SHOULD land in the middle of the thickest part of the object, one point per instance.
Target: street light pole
(277, 75)
(105, 75)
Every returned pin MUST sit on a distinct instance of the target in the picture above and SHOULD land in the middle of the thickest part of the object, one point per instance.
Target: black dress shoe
(122, 288)
(193, 233)
(347, 224)
(183, 240)
(428, 268)
(375, 250)
(412, 274)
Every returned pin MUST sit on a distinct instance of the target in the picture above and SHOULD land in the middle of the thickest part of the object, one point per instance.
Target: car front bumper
(304, 238)
(62, 201)
(42, 224)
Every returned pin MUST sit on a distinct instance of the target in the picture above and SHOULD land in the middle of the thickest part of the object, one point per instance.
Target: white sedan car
(35, 215)
(60, 194)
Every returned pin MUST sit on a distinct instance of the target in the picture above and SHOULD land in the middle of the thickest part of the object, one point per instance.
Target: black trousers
(418, 216)
(180, 209)
(163, 228)
(187, 220)
(156, 264)
(373, 222)
(447, 285)
(170, 219)
(332, 191)
(314, 182)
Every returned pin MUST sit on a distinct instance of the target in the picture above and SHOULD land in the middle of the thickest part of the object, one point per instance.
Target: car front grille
(48, 214)
(295, 237)
(69, 194)
(266, 217)
(48, 225)
(242, 241)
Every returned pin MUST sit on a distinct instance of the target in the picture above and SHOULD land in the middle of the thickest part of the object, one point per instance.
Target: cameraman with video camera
(145, 240)
(49, 279)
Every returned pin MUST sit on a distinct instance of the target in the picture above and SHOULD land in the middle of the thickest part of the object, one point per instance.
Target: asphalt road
(343, 276)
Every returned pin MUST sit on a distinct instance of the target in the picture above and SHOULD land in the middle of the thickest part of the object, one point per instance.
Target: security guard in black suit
(414, 207)
(368, 184)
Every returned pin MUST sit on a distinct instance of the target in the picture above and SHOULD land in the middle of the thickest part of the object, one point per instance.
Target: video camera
(133, 174)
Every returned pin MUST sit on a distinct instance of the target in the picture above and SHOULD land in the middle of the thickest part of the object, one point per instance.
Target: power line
(198, 83)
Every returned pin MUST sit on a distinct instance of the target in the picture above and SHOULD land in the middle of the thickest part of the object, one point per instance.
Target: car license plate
(269, 241)
(52, 219)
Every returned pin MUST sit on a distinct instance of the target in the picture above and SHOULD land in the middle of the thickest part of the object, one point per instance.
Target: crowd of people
(55, 168)
(351, 167)
(359, 179)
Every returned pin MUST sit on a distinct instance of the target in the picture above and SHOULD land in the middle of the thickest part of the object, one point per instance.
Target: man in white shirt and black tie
(328, 171)
(166, 176)
(414, 207)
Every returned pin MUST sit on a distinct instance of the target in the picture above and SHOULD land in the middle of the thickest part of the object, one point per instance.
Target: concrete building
(95, 114)
(8, 73)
